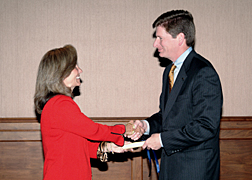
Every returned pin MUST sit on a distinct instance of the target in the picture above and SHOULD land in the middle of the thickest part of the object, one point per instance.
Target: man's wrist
(146, 127)
(160, 140)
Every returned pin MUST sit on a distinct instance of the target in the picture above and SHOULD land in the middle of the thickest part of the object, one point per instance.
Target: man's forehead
(160, 30)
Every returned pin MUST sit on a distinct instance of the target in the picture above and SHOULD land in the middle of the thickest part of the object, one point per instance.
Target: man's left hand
(153, 142)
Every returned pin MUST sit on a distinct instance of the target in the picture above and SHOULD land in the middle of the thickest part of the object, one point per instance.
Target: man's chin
(161, 55)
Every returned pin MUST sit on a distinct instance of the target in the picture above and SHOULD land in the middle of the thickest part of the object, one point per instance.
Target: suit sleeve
(204, 111)
(68, 117)
(155, 122)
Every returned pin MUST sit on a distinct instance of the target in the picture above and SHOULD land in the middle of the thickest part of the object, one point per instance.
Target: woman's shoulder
(62, 97)
(59, 99)
(58, 102)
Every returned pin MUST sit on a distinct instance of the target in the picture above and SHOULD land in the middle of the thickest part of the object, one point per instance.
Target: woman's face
(74, 78)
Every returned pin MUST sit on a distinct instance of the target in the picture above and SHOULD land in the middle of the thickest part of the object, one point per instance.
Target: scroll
(133, 145)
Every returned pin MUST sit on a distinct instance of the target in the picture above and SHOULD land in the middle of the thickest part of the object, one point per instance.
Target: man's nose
(155, 43)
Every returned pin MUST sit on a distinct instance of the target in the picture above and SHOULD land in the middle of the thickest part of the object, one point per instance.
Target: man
(188, 123)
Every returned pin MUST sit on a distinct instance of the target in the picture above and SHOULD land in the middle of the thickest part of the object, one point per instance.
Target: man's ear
(181, 38)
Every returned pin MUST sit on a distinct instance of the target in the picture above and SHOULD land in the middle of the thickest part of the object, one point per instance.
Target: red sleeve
(93, 147)
(68, 117)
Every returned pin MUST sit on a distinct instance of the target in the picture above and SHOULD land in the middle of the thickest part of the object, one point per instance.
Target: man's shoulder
(198, 61)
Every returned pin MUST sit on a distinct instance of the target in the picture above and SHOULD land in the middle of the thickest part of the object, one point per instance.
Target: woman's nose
(80, 70)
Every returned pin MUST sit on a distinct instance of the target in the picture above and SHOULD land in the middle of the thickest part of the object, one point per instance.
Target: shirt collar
(178, 63)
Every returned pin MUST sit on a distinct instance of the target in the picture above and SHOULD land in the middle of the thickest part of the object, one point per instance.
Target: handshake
(134, 129)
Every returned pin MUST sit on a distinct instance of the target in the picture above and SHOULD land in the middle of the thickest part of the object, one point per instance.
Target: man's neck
(180, 52)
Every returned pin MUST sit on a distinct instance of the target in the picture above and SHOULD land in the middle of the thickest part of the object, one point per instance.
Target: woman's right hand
(139, 129)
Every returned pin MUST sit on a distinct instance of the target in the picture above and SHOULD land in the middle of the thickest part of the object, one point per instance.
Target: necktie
(171, 77)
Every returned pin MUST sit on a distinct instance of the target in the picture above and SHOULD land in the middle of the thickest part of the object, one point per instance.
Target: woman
(69, 138)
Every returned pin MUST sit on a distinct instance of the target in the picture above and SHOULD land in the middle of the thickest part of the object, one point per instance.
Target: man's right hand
(139, 129)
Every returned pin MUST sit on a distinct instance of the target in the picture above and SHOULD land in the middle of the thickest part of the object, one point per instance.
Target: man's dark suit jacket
(189, 122)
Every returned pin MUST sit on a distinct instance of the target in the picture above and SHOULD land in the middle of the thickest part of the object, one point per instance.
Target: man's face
(166, 45)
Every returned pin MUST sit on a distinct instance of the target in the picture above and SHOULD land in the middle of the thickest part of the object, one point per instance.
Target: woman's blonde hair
(54, 67)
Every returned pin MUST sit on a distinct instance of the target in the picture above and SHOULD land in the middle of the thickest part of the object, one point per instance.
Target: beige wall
(114, 43)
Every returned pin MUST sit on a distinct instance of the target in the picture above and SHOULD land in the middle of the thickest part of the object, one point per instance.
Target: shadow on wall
(163, 62)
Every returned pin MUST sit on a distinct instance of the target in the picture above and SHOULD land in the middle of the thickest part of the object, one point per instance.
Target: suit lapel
(172, 96)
